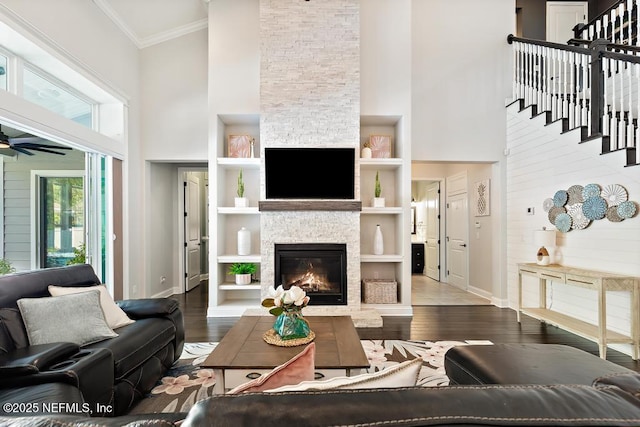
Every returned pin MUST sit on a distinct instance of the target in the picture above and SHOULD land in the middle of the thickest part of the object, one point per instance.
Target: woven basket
(379, 291)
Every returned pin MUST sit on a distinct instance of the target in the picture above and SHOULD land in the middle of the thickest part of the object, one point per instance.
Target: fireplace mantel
(310, 205)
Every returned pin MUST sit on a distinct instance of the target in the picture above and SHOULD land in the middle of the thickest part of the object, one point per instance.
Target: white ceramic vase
(243, 279)
(378, 202)
(378, 241)
(241, 202)
(365, 153)
(244, 241)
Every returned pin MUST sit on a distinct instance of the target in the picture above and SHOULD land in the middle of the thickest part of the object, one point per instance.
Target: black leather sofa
(110, 375)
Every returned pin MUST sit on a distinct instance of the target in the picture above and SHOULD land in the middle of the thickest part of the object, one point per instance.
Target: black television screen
(309, 173)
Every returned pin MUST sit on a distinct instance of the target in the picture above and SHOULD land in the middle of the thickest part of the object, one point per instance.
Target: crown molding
(142, 43)
(173, 33)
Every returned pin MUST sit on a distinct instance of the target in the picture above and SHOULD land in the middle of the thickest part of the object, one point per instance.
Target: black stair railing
(618, 24)
(595, 89)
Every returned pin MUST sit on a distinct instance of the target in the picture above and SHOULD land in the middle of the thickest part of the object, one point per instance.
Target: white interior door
(562, 16)
(432, 235)
(192, 231)
(457, 232)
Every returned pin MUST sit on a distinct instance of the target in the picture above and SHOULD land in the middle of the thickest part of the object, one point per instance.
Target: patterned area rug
(186, 383)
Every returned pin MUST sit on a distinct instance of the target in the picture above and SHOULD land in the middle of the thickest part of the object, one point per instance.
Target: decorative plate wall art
(578, 220)
(590, 190)
(575, 194)
(627, 209)
(612, 214)
(563, 222)
(560, 198)
(554, 212)
(614, 194)
(576, 207)
(594, 208)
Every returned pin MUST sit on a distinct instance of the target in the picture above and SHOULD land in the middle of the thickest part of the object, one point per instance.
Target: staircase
(593, 89)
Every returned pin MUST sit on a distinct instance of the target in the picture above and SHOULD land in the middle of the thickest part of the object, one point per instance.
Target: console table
(589, 279)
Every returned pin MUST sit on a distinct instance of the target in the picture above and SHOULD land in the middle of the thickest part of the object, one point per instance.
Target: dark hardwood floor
(486, 322)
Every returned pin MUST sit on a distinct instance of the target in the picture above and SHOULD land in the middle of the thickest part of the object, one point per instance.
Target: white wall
(461, 76)
(163, 248)
(541, 162)
(173, 85)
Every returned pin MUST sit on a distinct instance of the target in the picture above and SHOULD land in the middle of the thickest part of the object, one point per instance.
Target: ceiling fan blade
(22, 150)
(25, 139)
(44, 150)
(32, 146)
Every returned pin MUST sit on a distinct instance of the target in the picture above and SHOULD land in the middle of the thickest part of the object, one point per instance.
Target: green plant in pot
(243, 272)
(240, 200)
(378, 202)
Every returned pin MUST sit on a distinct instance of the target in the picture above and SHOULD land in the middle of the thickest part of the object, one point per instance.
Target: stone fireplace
(310, 98)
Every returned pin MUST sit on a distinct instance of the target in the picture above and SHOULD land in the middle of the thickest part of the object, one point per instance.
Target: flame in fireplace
(310, 280)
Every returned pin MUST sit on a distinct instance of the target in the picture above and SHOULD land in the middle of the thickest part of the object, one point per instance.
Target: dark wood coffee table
(243, 355)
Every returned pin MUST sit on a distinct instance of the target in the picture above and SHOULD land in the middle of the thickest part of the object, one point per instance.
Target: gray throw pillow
(76, 318)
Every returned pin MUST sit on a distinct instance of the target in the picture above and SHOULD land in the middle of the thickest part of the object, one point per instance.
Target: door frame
(181, 282)
(36, 238)
(441, 224)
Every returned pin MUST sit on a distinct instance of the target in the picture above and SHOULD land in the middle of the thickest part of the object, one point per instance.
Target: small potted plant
(378, 202)
(240, 200)
(243, 272)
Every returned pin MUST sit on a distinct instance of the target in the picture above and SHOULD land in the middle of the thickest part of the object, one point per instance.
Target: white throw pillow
(116, 318)
(403, 374)
(76, 318)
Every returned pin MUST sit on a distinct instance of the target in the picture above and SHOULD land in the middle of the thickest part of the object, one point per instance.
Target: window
(3, 72)
(45, 91)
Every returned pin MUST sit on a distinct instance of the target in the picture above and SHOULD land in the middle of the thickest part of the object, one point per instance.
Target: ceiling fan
(26, 144)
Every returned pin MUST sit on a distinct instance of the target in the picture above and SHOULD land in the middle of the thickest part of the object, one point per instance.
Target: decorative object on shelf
(590, 190)
(379, 291)
(594, 208)
(578, 220)
(378, 202)
(592, 202)
(544, 239)
(241, 201)
(614, 194)
(563, 222)
(560, 198)
(378, 241)
(547, 204)
(243, 272)
(239, 146)
(380, 146)
(253, 154)
(244, 241)
(482, 198)
(287, 306)
(575, 194)
(366, 151)
(627, 209)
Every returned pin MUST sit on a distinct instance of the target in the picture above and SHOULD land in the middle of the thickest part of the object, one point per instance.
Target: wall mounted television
(309, 173)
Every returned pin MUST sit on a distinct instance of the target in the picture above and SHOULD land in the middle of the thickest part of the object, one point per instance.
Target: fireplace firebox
(318, 268)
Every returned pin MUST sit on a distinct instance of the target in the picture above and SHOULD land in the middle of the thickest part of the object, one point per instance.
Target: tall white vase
(378, 242)
(244, 241)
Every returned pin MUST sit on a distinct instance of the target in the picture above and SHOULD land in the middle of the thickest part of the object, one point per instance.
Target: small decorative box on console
(379, 291)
